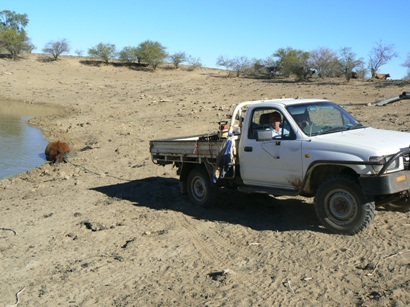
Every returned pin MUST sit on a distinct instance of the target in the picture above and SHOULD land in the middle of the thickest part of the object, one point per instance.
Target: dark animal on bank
(57, 151)
(381, 76)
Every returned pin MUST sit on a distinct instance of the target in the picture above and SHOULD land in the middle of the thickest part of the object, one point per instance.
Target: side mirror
(264, 135)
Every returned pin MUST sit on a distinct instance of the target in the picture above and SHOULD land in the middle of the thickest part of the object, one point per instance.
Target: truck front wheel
(199, 187)
(341, 206)
(400, 205)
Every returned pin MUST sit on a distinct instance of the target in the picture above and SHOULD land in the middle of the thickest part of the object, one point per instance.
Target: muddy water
(21, 145)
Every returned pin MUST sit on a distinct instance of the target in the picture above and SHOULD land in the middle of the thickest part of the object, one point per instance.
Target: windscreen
(322, 118)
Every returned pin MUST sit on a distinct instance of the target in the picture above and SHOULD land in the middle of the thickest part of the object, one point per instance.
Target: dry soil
(110, 228)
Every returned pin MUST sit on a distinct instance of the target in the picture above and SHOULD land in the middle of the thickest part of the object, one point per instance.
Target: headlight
(396, 164)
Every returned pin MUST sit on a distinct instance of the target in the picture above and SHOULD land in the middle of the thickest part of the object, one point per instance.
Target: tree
(238, 64)
(178, 58)
(407, 64)
(12, 20)
(129, 54)
(380, 55)
(271, 65)
(348, 62)
(257, 65)
(79, 52)
(103, 51)
(194, 62)
(225, 62)
(268, 66)
(29, 47)
(56, 48)
(13, 37)
(324, 61)
(293, 61)
(152, 53)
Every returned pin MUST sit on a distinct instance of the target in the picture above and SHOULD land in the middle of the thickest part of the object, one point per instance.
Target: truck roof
(269, 102)
(243, 106)
(286, 101)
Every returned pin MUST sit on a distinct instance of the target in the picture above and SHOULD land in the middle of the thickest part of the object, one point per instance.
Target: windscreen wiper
(327, 130)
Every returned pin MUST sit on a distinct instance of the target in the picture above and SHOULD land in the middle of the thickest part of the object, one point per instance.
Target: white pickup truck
(321, 151)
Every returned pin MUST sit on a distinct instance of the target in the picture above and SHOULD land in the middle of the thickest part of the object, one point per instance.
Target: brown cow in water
(381, 76)
(56, 151)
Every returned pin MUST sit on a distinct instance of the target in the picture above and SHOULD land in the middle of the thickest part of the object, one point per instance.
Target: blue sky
(207, 29)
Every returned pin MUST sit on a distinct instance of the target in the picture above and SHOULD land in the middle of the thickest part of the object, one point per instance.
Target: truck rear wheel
(341, 206)
(200, 189)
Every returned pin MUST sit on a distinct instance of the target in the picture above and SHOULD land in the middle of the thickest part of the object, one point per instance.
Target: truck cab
(313, 132)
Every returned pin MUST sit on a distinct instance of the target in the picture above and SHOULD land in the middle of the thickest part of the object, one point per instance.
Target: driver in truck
(275, 120)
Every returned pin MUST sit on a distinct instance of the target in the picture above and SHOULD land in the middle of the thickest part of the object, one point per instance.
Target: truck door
(275, 161)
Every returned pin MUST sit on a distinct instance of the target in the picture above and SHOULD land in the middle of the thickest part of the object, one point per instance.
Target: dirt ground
(110, 228)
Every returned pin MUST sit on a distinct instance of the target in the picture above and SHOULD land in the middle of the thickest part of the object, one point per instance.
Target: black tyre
(341, 206)
(400, 205)
(200, 189)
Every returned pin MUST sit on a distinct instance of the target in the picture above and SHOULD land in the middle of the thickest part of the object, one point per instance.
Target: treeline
(14, 40)
(323, 62)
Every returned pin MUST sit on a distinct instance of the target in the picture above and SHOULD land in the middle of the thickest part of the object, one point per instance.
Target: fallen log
(404, 95)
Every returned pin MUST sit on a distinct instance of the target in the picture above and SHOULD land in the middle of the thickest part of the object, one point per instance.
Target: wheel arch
(185, 168)
(321, 172)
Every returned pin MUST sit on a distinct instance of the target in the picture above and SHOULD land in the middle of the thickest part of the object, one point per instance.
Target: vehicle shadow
(259, 212)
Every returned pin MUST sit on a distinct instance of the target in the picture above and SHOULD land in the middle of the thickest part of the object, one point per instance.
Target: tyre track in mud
(262, 261)
(224, 258)
(245, 255)
(234, 263)
(340, 262)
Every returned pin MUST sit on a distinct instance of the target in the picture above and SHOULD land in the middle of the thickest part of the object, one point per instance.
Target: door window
(270, 119)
